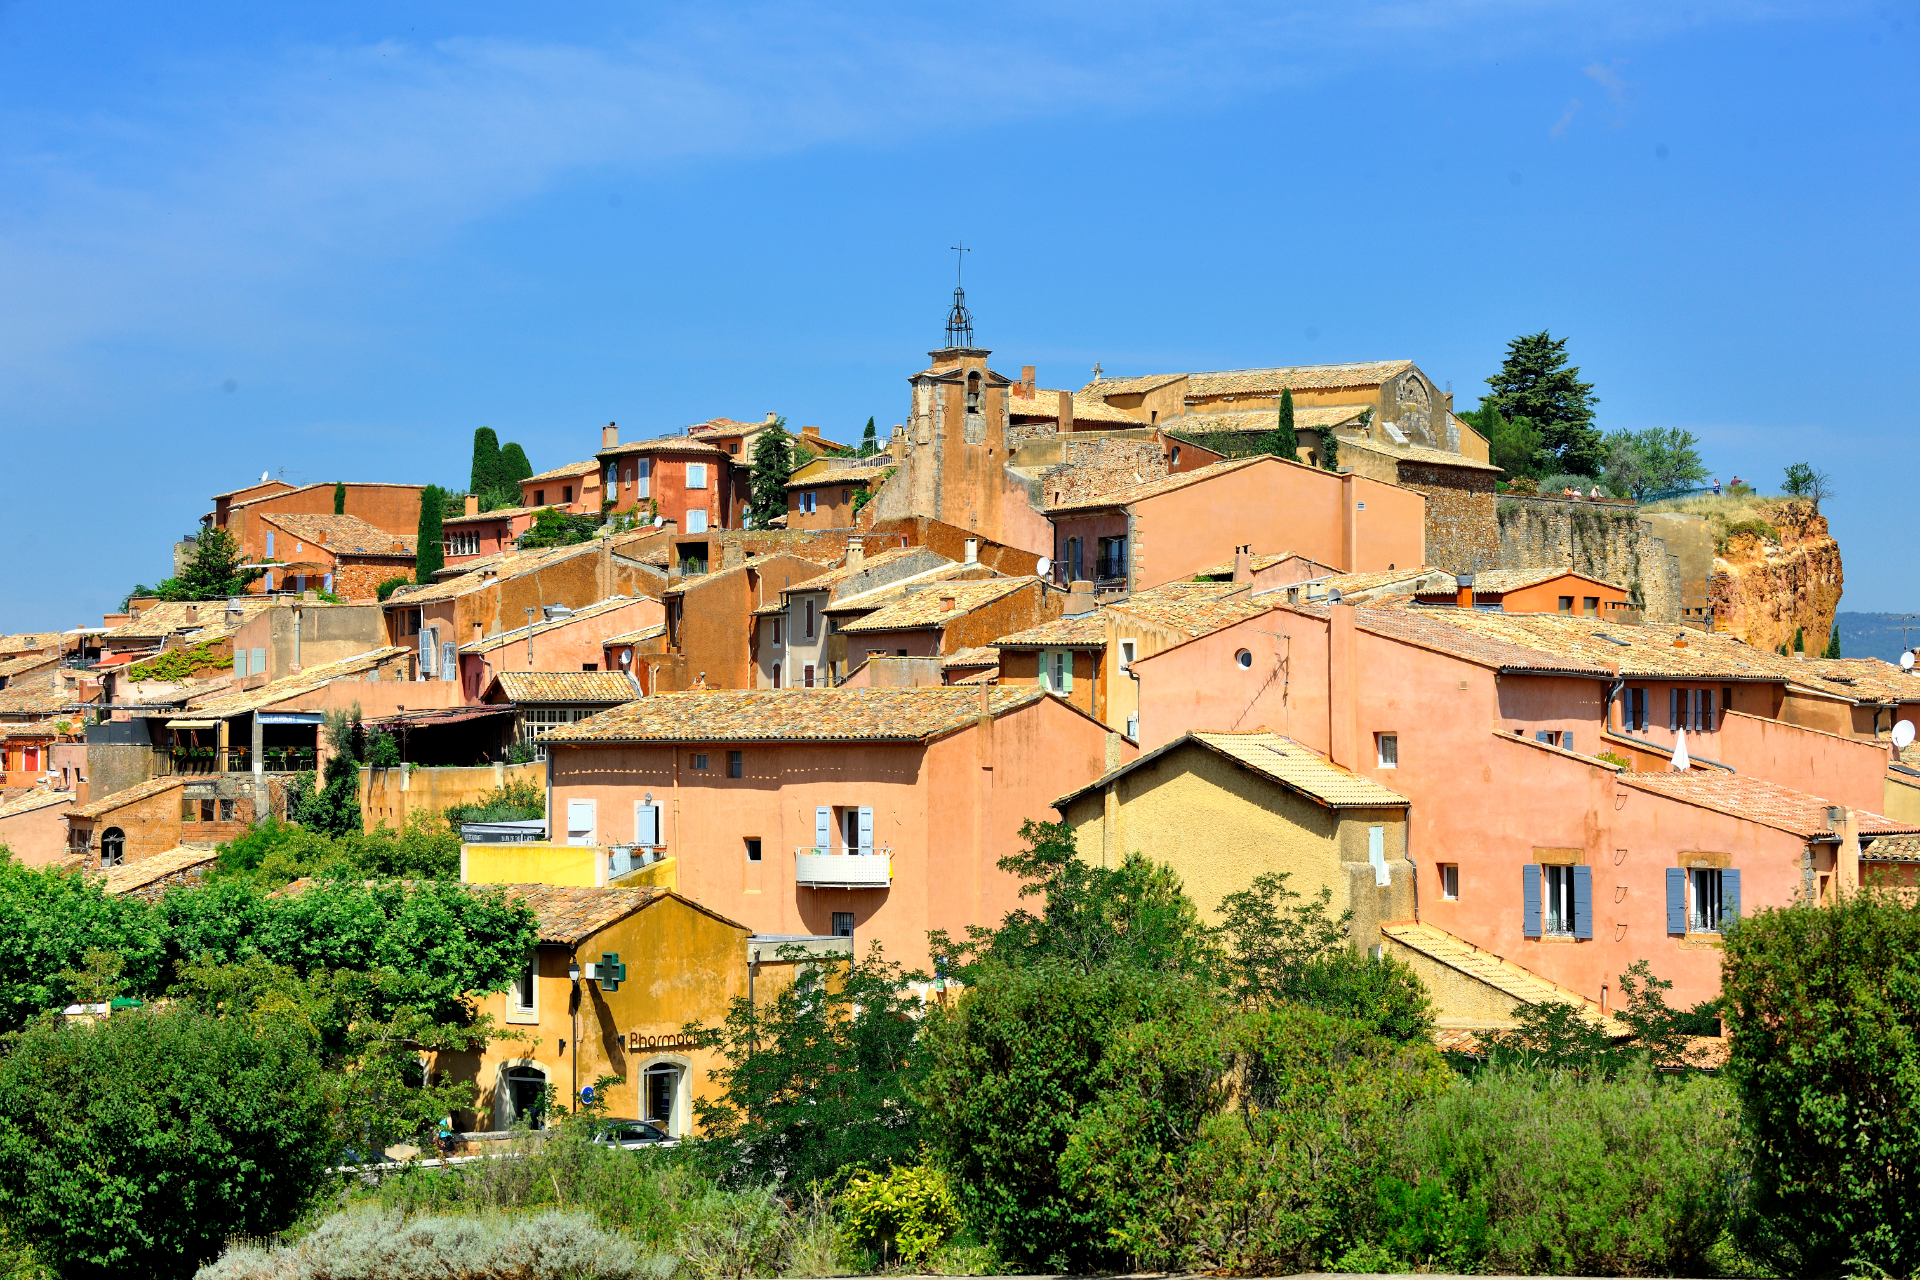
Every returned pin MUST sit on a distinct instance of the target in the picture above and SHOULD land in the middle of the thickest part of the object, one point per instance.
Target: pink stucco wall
(1847, 771)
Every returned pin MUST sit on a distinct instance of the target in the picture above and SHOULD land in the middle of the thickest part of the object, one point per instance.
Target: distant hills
(1874, 635)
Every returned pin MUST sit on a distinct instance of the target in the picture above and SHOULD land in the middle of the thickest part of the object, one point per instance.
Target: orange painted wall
(668, 486)
(552, 492)
(564, 648)
(393, 507)
(1544, 597)
(973, 788)
(37, 837)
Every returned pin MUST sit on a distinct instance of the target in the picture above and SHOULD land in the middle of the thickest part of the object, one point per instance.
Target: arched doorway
(521, 1097)
(113, 847)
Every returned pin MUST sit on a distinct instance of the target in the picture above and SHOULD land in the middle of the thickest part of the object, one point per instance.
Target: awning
(441, 715)
(289, 717)
(193, 724)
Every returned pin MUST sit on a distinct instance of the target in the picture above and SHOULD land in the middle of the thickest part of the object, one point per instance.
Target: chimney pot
(473, 504)
(1463, 592)
(946, 604)
(609, 436)
(856, 551)
(973, 551)
(1242, 564)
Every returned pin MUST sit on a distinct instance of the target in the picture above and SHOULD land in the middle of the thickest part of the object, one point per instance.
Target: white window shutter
(1377, 855)
(646, 478)
(580, 822)
(449, 665)
(866, 830)
(1066, 671)
(269, 544)
(429, 650)
(696, 521)
(646, 823)
(823, 828)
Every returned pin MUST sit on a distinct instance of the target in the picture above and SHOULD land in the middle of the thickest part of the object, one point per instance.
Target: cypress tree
(1833, 643)
(339, 499)
(869, 442)
(514, 468)
(430, 551)
(1799, 639)
(485, 479)
(1283, 441)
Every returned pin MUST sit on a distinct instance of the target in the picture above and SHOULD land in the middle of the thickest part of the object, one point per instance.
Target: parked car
(630, 1135)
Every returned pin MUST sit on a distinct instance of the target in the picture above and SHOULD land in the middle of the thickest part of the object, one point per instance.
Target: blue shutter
(823, 829)
(1730, 893)
(1583, 902)
(1530, 896)
(1676, 900)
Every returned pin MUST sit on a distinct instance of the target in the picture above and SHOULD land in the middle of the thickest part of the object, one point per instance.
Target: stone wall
(1089, 468)
(1462, 534)
(1604, 540)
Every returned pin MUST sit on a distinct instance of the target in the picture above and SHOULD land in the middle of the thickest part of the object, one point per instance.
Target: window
(1549, 736)
(1173, 459)
(1702, 899)
(589, 666)
(1377, 855)
(736, 764)
(776, 675)
(1243, 659)
(226, 811)
(753, 848)
(1590, 606)
(696, 475)
(661, 1090)
(1450, 881)
(189, 810)
(1076, 561)
(1388, 750)
(1566, 604)
(240, 663)
(269, 544)
(1056, 671)
(1113, 559)
(1557, 901)
(806, 675)
(700, 760)
(646, 825)
(523, 988)
(539, 497)
(521, 1096)
(1690, 709)
(776, 631)
(696, 521)
(1133, 726)
(843, 924)
(846, 495)
(613, 478)
(1633, 709)
(809, 619)
(566, 493)
(1128, 648)
(113, 847)
(581, 821)
(807, 502)
(645, 479)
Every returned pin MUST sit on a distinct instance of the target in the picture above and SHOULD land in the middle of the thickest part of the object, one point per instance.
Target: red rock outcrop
(1766, 586)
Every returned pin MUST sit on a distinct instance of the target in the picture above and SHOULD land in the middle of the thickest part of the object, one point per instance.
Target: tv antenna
(959, 319)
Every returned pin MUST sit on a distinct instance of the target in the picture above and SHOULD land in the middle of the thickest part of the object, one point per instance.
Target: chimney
(946, 604)
(1079, 598)
(1243, 563)
(809, 433)
(609, 436)
(473, 500)
(193, 613)
(1026, 380)
(856, 551)
(1066, 412)
(1463, 591)
(973, 551)
(1847, 856)
(772, 417)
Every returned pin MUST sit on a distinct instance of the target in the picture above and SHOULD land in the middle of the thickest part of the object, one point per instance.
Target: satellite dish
(1906, 660)
(1903, 734)
(1045, 567)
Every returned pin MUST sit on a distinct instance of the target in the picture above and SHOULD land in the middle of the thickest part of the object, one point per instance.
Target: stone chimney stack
(1079, 599)
(856, 551)
(1463, 591)
(473, 500)
(1066, 412)
(973, 551)
(1243, 563)
(1026, 380)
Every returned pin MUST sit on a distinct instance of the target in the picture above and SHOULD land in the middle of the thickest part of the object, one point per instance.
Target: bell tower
(958, 428)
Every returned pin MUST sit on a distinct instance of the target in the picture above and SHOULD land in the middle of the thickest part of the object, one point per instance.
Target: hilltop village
(1509, 734)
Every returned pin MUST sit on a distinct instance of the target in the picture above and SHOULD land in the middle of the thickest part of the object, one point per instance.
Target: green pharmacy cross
(609, 973)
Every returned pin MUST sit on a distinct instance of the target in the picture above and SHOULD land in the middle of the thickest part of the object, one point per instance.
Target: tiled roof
(1257, 563)
(832, 578)
(1129, 386)
(924, 608)
(498, 513)
(1354, 583)
(1765, 803)
(641, 636)
(1856, 679)
(1496, 582)
(590, 467)
(343, 534)
(28, 662)
(221, 705)
(120, 799)
(1082, 631)
(866, 472)
(483, 573)
(569, 915)
(1418, 453)
(138, 875)
(665, 444)
(1195, 608)
(984, 655)
(1503, 975)
(1133, 493)
(1277, 759)
(38, 695)
(792, 715)
(1307, 377)
(1086, 408)
(34, 800)
(324, 484)
(32, 729)
(566, 686)
(900, 588)
(169, 616)
(1315, 416)
(1893, 849)
(520, 634)
(27, 640)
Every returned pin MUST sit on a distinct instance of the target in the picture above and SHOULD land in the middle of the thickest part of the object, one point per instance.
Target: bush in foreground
(373, 1246)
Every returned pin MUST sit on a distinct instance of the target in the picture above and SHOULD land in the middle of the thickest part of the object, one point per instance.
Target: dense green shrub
(901, 1216)
(520, 799)
(138, 1145)
(1547, 1173)
(273, 853)
(49, 921)
(1823, 1011)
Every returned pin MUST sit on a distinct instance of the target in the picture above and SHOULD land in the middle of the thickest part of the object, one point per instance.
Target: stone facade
(1089, 468)
(1462, 534)
(1604, 540)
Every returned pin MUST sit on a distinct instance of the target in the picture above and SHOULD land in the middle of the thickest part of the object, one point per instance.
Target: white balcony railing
(816, 868)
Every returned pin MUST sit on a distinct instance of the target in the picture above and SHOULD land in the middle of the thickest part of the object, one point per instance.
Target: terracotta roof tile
(1857, 679)
(1418, 453)
(1495, 582)
(641, 636)
(1195, 608)
(38, 695)
(520, 634)
(1504, 975)
(1277, 759)
(832, 578)
(664, 444)
(32, 729)
(28, 662)
(566, 686)
(343, 535)
(498, 513)
(1893, 849)
(120, 799)
(178, 615)
(791, 715)
(138, 875)
(568, 915)
(484, 573)
(34, 800)
(28, 640)
(925, 609)
(1314, 416)
(1082, 631)
(985, 655)
(221, 705)
(1765, 803)
(1086, 408)
(1129, 386)
(1307, 377)
(1133, 493)
(865, 471)
(590, 467)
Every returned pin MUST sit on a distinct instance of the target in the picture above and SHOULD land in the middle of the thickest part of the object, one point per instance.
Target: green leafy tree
(1536, 383)
(1823, 1017)
(1567, 1038)
(1799, 639)
(553, 527)
(1514, 445)
(1804, 480)
(139, 1145)
(1330, 450)
(430, 548)
(339, 499)
(869, 441)
(49, 921)
(486, 476)
(819, 1079)
(767, 477)
(214, 573)
(1652, 461)
(1281, 441)
(391, 585)
(333, 808)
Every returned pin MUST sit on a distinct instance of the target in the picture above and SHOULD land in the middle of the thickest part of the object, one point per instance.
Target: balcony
(816, 868)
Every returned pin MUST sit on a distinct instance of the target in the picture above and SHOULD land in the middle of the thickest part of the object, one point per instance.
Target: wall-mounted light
(573, 972)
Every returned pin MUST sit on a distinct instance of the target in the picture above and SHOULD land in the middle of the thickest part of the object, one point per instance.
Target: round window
(1244, 658)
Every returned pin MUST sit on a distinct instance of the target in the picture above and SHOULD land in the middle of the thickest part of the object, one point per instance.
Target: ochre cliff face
(1764, 590)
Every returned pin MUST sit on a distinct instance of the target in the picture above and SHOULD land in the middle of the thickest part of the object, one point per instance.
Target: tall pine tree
(1833, 643)
(1536, 384)
(1282, 442)
(767, 483)
(485, 479)
(430, 549)
(869, 441)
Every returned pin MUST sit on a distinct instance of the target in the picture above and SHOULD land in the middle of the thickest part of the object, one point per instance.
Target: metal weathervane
(959, 319)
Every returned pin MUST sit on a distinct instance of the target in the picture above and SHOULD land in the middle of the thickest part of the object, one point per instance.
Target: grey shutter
(1583, 902)
(1676, 900)
(823, 829)
(428, 651)
(1066, 670)
(1706, 710)
(449, 665)
(866, 831)
(1530, 898)
(1673, 707)
(1730, 893)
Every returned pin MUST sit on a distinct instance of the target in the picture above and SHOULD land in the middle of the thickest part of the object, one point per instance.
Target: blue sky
(237, 238)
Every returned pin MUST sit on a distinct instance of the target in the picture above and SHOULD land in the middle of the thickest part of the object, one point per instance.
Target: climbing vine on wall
(182, 664)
